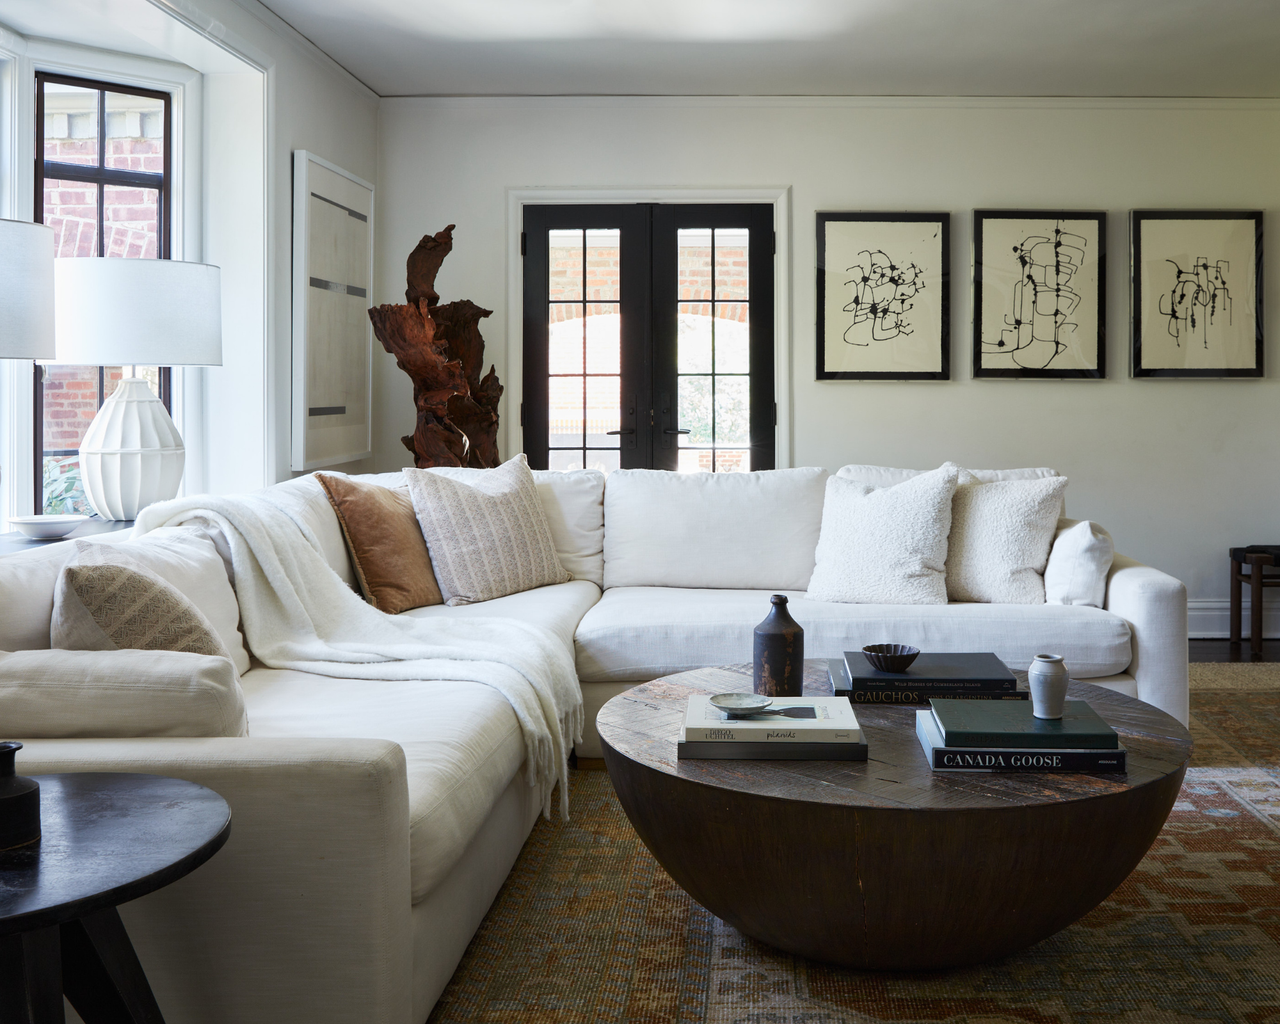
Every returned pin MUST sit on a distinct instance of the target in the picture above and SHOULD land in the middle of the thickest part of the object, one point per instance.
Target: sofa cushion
(305, 502)
(119, 693)
(462, 745)
(638, 633)
(1078, 564)
(886, 476)
(183, 556)
(753, 530)
(557, 608)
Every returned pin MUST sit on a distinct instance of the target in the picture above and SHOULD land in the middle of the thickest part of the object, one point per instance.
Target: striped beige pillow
(487, 537)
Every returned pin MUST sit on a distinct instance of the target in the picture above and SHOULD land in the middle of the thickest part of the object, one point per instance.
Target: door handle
(668, 430)
(609, 433)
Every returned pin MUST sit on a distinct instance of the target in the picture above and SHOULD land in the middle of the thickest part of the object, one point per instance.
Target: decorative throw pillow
(1079, 561)
(886, 545)
(107, 601)
(385, 543)
(488, 536)
(1000, 538)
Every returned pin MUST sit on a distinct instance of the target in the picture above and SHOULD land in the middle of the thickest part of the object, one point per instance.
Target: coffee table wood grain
(886, 864)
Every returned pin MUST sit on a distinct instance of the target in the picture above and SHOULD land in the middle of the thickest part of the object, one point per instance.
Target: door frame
(779, 197)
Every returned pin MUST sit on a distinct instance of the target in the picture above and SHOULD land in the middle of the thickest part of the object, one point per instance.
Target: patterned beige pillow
(489, 536)
(107, 601)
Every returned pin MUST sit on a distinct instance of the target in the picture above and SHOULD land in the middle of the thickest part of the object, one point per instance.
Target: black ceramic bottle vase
(779, 653)
(19, 802)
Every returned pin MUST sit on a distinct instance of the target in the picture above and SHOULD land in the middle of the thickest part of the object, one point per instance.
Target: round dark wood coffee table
(107, 838)
(885, 864)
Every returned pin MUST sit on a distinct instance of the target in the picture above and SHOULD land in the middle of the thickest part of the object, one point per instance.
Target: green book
(974, 723)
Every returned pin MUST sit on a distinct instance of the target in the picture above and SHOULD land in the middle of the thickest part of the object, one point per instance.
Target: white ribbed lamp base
(132, 455)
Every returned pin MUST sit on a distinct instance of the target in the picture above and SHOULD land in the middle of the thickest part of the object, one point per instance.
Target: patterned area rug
(590, 930)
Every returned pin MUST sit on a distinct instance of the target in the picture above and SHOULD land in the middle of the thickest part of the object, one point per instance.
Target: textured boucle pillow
(488, 535)
(106, 601)
(384, 540)
(1001, 533)
(885, 545)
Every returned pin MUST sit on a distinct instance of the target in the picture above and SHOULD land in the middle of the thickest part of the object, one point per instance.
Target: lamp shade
(26, 290)
(111, 312)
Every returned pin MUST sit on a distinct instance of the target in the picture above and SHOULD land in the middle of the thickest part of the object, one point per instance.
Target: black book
(841, 686)
(764, 751)
(1005, 759)
(1013, 725)
(952, 672)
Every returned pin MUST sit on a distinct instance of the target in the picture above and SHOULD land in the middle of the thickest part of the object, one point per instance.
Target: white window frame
(20, 59)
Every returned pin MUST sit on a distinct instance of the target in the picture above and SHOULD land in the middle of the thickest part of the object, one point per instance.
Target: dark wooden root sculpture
(442, 351)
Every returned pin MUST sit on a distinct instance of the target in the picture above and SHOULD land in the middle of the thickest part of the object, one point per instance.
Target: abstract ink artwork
(884, 309)
(1039, 300)
(1196, 300)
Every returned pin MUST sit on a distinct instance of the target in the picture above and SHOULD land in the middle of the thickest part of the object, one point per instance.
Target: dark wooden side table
(107, 838)
(1256, 557)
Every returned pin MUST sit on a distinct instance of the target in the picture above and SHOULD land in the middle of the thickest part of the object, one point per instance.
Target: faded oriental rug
(590, 930)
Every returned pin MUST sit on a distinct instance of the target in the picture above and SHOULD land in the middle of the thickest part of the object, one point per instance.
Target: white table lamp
(26, 290)
(125, 312)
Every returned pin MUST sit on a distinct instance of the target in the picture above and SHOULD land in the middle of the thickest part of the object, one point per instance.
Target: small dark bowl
(890, 657)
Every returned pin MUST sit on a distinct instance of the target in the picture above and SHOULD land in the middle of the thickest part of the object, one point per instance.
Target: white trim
(1210, 617)
(778, 196)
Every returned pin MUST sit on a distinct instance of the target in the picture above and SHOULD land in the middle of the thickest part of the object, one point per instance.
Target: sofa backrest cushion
(184, 556)
(1079, 561)
(574, 503)
(67, 694)
(306, 502)
(753, 531)
(885, 476)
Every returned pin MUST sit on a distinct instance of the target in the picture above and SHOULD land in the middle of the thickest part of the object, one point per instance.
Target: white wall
(1177, 470)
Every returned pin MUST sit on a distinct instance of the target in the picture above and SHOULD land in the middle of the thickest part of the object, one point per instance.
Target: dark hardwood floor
(1225, 650)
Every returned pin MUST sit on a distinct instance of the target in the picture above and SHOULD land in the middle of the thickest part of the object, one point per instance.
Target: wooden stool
(1256, 556)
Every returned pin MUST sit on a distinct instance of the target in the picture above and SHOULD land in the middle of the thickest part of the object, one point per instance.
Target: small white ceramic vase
(1047, 677)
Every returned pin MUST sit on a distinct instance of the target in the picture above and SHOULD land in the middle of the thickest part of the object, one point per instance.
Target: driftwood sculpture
(442, 351)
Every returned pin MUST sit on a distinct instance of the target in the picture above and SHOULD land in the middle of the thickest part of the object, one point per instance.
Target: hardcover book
(807, 720)
(874, 693)
(1011, 724)
(721, 750)
(1009, 759)
(957, 672)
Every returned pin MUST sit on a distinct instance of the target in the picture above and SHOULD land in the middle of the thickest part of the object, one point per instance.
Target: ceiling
(1207, 48)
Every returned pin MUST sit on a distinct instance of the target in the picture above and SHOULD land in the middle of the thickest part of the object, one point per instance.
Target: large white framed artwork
(332, 336)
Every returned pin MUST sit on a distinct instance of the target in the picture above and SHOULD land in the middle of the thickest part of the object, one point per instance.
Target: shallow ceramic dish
(741, 703)
(891, 657)
(46, 527)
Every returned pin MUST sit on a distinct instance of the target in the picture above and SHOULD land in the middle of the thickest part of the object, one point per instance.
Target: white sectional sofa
(374, 821)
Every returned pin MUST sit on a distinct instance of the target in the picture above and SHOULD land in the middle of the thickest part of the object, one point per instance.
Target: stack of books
(963, 736)
(958, 676)
(812, 729)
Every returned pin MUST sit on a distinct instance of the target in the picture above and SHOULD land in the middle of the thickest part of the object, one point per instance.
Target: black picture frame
(1058, 253)
(1175, 292)
(904, 336)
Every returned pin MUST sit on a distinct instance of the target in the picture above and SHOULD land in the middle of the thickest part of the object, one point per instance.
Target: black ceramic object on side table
(779, 652)
(19, 801)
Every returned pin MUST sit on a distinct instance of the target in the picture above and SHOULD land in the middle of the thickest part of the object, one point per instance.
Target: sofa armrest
(305, 913)
(1155, 606)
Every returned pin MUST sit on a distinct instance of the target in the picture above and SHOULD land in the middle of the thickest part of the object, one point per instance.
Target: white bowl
(47, 527)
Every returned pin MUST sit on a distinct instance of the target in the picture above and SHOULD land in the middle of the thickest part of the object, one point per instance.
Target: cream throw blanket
(299, 614)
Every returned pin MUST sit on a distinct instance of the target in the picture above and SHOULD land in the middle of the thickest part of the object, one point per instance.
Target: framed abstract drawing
(884, 304)
(332, 336)
(1039, 294)
(1196, 293)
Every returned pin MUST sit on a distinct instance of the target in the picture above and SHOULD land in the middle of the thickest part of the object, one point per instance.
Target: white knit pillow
(1000, 538)
(887, 545)
(488, 536)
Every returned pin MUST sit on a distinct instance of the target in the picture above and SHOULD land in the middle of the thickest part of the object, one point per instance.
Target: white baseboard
(1210, 618)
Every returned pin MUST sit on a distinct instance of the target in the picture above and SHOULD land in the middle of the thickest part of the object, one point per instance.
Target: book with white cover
(809, 720)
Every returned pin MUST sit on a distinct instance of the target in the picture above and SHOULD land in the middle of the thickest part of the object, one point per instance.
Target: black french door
(648, 337)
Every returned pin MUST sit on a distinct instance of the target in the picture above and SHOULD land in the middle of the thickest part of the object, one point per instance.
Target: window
(103, 177)
(648, 337)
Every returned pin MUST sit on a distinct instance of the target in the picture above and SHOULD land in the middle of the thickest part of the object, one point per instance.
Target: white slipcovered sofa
(374, 821)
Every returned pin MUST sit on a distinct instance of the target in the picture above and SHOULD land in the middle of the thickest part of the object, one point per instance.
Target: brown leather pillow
(385, 543)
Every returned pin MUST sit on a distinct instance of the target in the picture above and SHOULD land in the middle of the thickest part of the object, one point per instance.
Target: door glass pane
(695, 460)
(733, 411)
(566, 401)
(731, 264)
(564, 266)
(131, 220)
(729, 460)
(604, 338)
(564, 337)
(135, 132)
(603, 413)
(693, 264)
(70, 124)
(562, 460)
(695, 411)
(603, 265)
(693, 338)
(605, 461)
(71, 210)
(733, 338)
